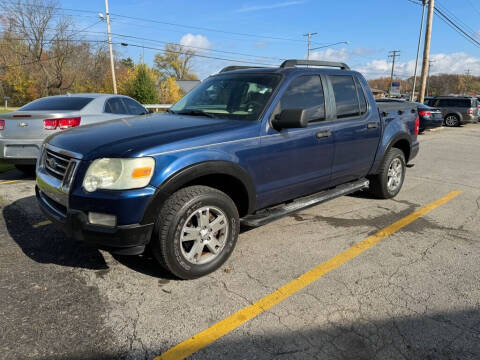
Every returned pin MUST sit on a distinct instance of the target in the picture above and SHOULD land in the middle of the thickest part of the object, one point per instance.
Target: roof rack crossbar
(293, 63)
(239, 67)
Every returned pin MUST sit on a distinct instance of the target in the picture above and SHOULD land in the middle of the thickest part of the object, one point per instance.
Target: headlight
(119, 174)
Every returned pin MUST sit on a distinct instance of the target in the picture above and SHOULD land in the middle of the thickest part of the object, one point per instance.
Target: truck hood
(142, 135)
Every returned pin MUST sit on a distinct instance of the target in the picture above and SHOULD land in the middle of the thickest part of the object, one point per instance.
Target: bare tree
(46, 34)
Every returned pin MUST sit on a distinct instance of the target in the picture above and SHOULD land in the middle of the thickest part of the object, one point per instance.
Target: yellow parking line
(213, 333)
(9, 182)
(43, 223)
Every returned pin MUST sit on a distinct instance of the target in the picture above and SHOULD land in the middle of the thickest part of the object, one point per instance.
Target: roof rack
(293, 63)
(239, 67)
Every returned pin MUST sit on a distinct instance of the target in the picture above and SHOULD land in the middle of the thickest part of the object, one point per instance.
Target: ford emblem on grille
(52, 162)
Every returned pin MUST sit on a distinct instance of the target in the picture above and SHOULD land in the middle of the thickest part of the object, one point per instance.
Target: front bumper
(121, 239)
(430, 123)
(20, 151)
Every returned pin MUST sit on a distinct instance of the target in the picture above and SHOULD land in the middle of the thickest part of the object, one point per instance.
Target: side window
(345, 96)
(133, 107)
(115, 106)
(305, 92)
(441, 103)
(361, 97)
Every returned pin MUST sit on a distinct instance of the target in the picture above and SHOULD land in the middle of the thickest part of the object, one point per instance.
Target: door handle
(323, 134)
(372, 125)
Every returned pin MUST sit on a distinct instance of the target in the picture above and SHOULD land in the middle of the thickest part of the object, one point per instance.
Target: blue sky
(372, 28)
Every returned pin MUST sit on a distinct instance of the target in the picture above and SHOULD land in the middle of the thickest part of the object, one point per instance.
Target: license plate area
(22, 151)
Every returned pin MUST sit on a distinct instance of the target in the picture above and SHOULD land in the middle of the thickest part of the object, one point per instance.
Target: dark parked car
(246, 145)
(429, 117)
(456, 110)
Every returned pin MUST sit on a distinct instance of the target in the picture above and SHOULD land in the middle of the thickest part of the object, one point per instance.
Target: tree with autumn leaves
(42, 53)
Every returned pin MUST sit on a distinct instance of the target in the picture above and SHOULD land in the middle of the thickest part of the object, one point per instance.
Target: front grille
(56, 164)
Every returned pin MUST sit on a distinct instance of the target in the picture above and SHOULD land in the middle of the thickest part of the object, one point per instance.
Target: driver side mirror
(290, 118)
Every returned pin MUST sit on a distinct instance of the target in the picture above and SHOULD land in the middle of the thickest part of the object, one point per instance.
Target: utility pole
(430, 62)
(424, 3)
(309, 36)
(393, 55)
(426, 50)
(109, 35)
(467, 81)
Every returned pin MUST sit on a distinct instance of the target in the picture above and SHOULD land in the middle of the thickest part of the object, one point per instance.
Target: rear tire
(389, 180)
(452, 120)
(196, 231)
(26, 169)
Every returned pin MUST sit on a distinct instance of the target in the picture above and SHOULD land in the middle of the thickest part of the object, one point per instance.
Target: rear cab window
(74, 103)
(347, 100)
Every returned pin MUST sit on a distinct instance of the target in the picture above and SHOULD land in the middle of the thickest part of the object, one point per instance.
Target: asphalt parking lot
(413, 294)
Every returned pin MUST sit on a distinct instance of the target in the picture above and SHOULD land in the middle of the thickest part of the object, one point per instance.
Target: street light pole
(112, 61)
(424, 2)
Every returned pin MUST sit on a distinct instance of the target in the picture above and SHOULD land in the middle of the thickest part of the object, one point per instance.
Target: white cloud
(195, 41)
(454, 63)
(271, 6)
(341, 55)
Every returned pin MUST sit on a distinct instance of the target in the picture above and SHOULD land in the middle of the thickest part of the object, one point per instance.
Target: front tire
(196, 231)
(389, 181)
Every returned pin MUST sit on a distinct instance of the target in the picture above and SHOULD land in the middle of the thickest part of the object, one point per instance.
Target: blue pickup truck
(247, 146)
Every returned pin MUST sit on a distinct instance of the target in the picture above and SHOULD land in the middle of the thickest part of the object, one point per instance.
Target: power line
(194, 47)
(439, 12)
(445, 18)
(196, 55)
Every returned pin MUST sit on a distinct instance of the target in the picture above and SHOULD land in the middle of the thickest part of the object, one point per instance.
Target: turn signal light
(470, 111)
(141, 172)
(2, 124)
(417, 125)
(62, 123)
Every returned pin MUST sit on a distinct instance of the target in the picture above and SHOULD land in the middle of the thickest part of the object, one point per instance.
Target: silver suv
(456, 110)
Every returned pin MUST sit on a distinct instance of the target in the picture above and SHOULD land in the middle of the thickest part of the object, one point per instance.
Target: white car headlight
(119, 174)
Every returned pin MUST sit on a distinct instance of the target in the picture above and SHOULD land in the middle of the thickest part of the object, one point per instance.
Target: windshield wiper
(195, 112)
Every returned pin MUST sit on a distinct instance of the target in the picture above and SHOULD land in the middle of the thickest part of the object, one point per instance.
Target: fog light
(102, 219)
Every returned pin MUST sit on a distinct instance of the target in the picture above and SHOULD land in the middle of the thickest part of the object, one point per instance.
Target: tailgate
(28, 125)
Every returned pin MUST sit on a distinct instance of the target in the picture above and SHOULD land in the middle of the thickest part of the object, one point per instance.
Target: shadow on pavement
(15, 175)
(145, 264)
(46, 244)
(441, 335)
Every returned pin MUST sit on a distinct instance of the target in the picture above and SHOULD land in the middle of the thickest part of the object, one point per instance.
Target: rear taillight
(2, 124)
(50, 124)
(470, 112)
(424, 113)
(68, 122)
(62, 123)
(417, 125)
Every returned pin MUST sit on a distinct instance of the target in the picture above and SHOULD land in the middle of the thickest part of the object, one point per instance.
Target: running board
(265, 216)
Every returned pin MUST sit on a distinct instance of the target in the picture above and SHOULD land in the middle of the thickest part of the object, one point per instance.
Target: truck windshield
(234, 96)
